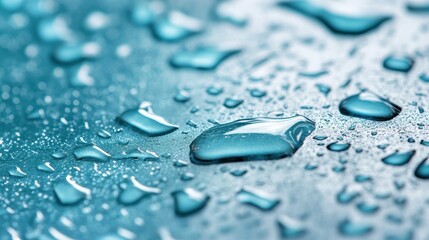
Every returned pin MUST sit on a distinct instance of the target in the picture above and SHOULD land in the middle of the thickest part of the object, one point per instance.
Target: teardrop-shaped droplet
(398, 158)
(338, 147)
(369, 106)
(76, 52)
(132, 191)
(251, 139)
(422, 170)
(144, 120)
(290, 228)
(17, 172)
(91, 153)
(46, 167)
(203, 58)
(189, 201)
(350, 229)
(175, 26)
(339, 19)
(257, 198)
(138, 154)
(68, 192)
(398, 63)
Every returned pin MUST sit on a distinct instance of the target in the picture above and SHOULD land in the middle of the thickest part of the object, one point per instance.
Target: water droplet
(104, 134)
(290, 228)
(338, 147)
(425, 143)
(424, 77)
(17, 172)
(187, 176)
(53, 30)
(238, 172)
(320, 137)
(132, 191)
(46, 167)
(203, 58)
(76, 52)
(347, 195)
(398, 158)
(214, 90)
(68, 192)
(232, 102)
(81, 77)
(96, 21)
(367, 208)
(59, 155)
(175, 26)
(399, 64)
(349, 228)
(251, 139)
(323, 88)
(144, 120)
(422, 170)
(313, 74)
(339, 22)
(369, 106)
(138, 154)
(418, 6)
(189, 201)
(258, 93)
(91, 153)
(182, 96)
(144, 13)
(257, 198)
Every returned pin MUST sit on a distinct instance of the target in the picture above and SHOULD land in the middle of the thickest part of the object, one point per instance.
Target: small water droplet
(81, 76)
(146, 121)
(323, 88)
(203, 58)
(338, 147)
(132, 191)
(369, 106)
(175, 26)
(290, 228)
(422, 170)
(398, 63)
(53, 30)
(214, 90)
(398, 158)
(46, 167)
(350, 229)
(76, 52)
(347, 195)
(238, 172)
(258, 93)
(17, 172)
(232, 102)
(367, 208)
(138, 154)
(145, 13)
(104, 134)
(59, 155)
(257, 198)
(189, 201)
(251, 139)
(182, 96)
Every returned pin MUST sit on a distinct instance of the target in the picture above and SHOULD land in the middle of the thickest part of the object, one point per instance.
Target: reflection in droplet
(91, 153)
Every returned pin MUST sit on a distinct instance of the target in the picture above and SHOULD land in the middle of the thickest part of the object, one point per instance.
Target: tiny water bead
(91, 153)
(338, 147)
(398, 63)
(132, 191)
(68, 192)
(338, 22)
(232, 102)
(257, 198)
(370, 106)
(251, 139)
(144, 120)
(353, 229)
(76, 52)
(202, 58)
(398, 158)
(175, 26)
(422, 170)
(16, 172)
(290, 228)
(189, 201)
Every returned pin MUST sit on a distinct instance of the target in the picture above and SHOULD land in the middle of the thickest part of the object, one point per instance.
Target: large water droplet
(203, 58)
(422, 170)
(339, 19)
(338, 147)
(251, 139)
(398, 158)
(91, 153)
(69, 192)
(349, 228)
(369, 106)
(290, 228)
(399, 64)
(176, 26)
(189, 201)
(132, 191)
(257, 198)
(17, 172)
(144, 120)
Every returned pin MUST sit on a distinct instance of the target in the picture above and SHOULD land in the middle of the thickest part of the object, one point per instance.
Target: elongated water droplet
(59, 155)
(369, 106)
(349, 228)
(418, 6)
(338, 147)
(182, 96)
(17, 172)
(189, 201)
(347, 195)
(144, 120)
(81, 76)
(175, 26)
(76, 52)
(422, 170)
(138, 154)
(68, 192)
(232, 102)
(339, 19)
(257, 198)
(132, 191)
(46, 167)
(398, 158)
(91, 153)
(399, 64)
(251, 139)
(367, 208)
(203, 58)
(290, 228)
